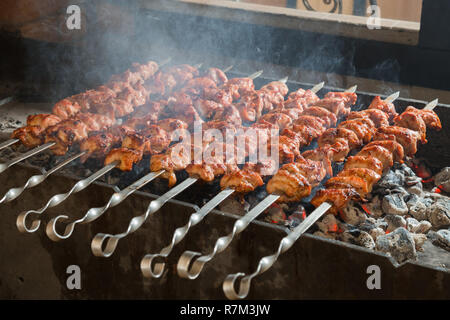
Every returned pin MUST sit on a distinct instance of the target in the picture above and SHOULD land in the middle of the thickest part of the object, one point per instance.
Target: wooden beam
(393, 31)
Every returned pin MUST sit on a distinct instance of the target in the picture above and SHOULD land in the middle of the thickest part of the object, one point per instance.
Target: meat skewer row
(309, 173)
(64, 134)
(112, 240)
(151, 139)
(286, 243)
(21, 221)
(65, 108)
(133, 147)
(149, 267)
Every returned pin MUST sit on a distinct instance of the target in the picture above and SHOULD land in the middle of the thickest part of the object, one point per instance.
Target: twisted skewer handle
(57, 199)
(26, 155)
(156, 270)
(221, 244)
(8, 143)
(267, 262)
(35, 180)
(135, 223)
(94, 213)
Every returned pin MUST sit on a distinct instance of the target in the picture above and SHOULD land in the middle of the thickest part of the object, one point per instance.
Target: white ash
(440, 238)
(418, 226)
(352, 214)
(328, 224)
(7, 123)
(439, 213)
(394, 222)
(399, 244)
(442, 179)
(374, 207)
(376, 232)
(394, 204)
(358, 237)
(419, 240)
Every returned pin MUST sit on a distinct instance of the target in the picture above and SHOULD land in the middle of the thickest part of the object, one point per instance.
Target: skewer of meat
(136, 222)
(96, 144)
(287, 242)
(153, 139)
(81, 185)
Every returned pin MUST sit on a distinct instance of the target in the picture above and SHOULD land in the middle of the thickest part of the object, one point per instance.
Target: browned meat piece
(363, 130)
(280, 119)
(315, 124)
(330, 136)
(217, 75)
(304, 97)
(364, 162)
(229, 114)
(360, 185)
(336, 106)
(99, 145)
(407, 138)
(384, 106)
(394, 147)
(412, 120)
(29, 136)
(339, 198)
(381, 153)
(328, 117)
(370, 176)
(336, 152)
(276, 86)
(241, 181)
(429, 116)
(378, 117)
(126, 157)
(349, 98)
(66, 108)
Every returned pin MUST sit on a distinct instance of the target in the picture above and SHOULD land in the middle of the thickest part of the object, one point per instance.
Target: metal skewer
(94, 213)
(222, 243)
(267, 262)
(431, 105)
(57, 199)
(28, 154)
(8, 143)
(35, 180)
(135, 223)
(155, 270)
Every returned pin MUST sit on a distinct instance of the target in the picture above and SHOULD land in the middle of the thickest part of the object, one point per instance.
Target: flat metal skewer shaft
(265, 263)
(8, 143)
(59, 198)
(26, 155)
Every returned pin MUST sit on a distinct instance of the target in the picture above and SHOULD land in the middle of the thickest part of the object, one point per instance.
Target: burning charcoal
(358, 237)
(416, 188)
(382, 223)
(439, 213)
(442, 179)
(353, 215)
(419, 240)
(275, 214)
(297, 217)
(376, 232)
(325, 235)
(367, 225)
(440, 238)
(395, 222)
(399, 244)
(418, 227)
(234, 205)
(374, 207)
(403, 168)
(390, 181)
(394, 204)
(418, 206)
(328, 224)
